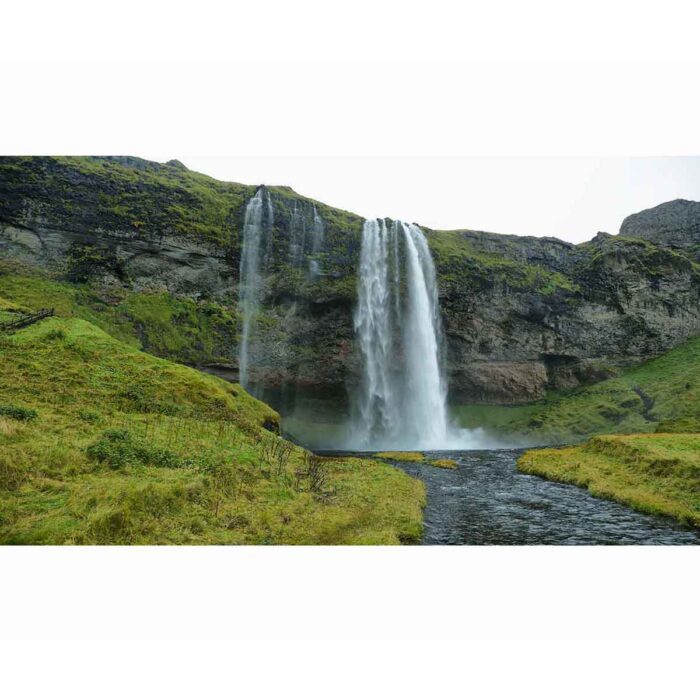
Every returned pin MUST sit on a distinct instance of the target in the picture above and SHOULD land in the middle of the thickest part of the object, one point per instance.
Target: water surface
(487, 501)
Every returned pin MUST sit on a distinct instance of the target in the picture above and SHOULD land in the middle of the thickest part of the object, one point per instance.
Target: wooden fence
(24, 320)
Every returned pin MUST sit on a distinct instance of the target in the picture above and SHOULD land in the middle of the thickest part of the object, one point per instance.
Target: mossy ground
(662, 392)
(127, 448)
(402, 456)
(177, 328)
(444, 463)
(658, 474)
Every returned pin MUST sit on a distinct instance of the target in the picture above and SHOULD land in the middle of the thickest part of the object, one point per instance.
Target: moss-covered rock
(522, 315)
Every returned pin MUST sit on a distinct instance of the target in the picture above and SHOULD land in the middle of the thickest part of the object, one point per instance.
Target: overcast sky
(570, 198)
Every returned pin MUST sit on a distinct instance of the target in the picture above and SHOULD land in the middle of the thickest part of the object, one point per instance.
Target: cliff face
(673, 224)
(520, 314)
(546, 314)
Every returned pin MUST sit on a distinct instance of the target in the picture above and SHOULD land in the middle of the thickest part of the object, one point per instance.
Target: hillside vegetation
(657, 474)
(166, 325)
(103, 444)
(662, 392)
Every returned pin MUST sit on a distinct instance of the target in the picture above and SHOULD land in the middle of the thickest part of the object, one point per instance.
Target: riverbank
(652, 473)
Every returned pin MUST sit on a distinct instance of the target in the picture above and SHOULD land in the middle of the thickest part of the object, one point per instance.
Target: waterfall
(297, 235)
(257, 222)
(317, 234)
(402, 398)
(425, 413)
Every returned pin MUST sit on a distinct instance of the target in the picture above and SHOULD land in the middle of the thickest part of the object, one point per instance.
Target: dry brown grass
(9, 427)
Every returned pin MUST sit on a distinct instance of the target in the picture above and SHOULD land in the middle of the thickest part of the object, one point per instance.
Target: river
(486, 500)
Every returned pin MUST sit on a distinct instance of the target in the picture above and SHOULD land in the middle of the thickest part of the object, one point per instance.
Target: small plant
(88, 416)
(56, 334)
(276, 452)
(17, 412)
(314, 472)
(317, 471)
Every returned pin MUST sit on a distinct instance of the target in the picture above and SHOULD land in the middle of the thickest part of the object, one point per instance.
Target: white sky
(570, 198)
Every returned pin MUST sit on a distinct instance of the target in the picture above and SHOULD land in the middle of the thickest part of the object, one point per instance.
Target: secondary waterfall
(317, 234)
(297, 235)
(402, 398)
(259, 217)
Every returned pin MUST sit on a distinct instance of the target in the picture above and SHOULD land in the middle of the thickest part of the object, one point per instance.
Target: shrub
(119, 448)
(56, 334)
(276, 452)
(88, 416)
(17, 412)
(315, 472)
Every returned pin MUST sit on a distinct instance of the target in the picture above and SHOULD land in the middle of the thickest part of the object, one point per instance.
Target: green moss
(459, 261)
(178, 328)
(402, 456)
(663, 389)
(658, 474)
(172, 456)
(444, 463)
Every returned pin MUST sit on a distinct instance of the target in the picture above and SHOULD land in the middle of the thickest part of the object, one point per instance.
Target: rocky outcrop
(675, 224)
(520, 314)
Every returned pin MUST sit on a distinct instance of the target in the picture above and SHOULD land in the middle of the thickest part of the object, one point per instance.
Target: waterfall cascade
(317, 234)
(402, 398)
(305, 232)
(258, 221)
(297, 235)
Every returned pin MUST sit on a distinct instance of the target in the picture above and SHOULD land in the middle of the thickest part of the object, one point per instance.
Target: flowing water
(259, 217)
(487, 501)
(401, 401)
(317, 236)
(297, 235)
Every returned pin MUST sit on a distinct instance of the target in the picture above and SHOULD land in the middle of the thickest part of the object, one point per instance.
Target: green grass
(444, 463)
(181, 329)
(139, 196)
(657, 474)
(128, 448)
(459, 261)
(402, 456)
(663, 391)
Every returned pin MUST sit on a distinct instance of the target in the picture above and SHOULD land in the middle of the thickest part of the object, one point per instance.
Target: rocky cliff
(673, 224)
(520, 314)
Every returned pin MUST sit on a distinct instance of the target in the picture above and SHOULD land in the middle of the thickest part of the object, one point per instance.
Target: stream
(487, 501)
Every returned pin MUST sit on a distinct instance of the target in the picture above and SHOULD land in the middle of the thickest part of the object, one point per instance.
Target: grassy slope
(657, 474)
(198, 470)
(173, 327)
(664, 389)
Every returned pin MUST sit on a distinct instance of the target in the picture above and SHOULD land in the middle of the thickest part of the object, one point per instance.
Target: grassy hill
(658, 474)
(101, 443)
(664, 393)
(174, 327)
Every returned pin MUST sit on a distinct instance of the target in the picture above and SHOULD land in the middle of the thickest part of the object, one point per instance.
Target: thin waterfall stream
(259, 217)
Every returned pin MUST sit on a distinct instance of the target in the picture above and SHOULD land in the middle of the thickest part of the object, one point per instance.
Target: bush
(56, 334)
(17, 412)
(88, 416)
(119, 448)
